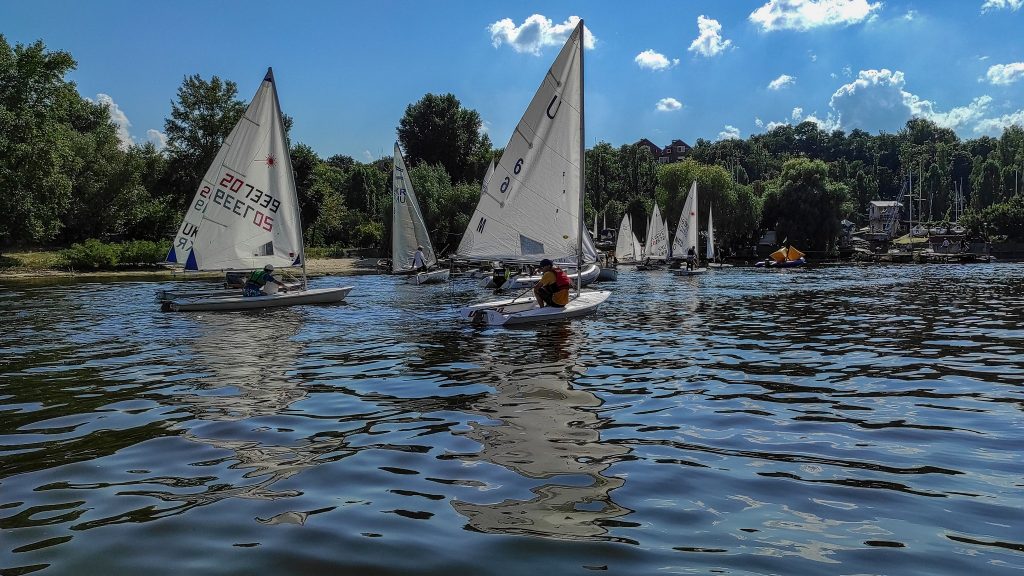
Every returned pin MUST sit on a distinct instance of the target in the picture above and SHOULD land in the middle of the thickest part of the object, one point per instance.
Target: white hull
(177, 294)
(590, 274)
(523, 311)
(694, 272)
(432, 277)
(223, 303)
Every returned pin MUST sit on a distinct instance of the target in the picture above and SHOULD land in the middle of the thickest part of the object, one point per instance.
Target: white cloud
(813, 57)
(536, 33)
(1001, 4)
(120, 120)
(833, 75)
(995, 126)
(709, 42)
(910, 15)
(156, 138)
(781, 82)
(797, 113)
(729, 132)
(1005, 74)
(877, 100)
(654, 61)
(758, 122)
(668, 105)
(809, 14)
(368, 155)
(847, 71)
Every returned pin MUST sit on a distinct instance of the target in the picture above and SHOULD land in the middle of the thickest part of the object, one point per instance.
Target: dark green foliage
(438, 130)
(95, 255)
(141, 253)
(66, 177)
(91, 255)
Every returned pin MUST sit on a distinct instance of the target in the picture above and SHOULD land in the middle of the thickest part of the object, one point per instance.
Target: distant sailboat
(627, 247)
(245, 214)
(532, 206)
(656, 246)
(686, 235)
(408, 230)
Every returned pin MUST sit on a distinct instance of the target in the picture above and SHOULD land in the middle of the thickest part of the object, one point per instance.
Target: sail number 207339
(257, 203)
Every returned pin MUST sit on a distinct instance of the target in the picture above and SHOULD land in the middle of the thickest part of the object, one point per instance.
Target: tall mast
(583, 159)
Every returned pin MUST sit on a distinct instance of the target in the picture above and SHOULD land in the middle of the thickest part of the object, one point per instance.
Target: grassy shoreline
(49, 264)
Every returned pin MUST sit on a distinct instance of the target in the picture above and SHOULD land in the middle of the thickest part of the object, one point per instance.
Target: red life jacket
(562, 281)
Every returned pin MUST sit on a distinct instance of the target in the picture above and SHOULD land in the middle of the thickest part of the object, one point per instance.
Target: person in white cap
(258, 279)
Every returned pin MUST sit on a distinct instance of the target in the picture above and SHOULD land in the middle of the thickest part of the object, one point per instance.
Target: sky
(346, 70)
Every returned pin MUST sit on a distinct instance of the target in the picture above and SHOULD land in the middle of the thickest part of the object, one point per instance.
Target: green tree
(438, 130)
(805, 207)
(201, 119)
(40, 119)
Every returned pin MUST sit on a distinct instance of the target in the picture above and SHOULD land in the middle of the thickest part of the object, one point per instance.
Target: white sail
(657, 237)
(530, 207)
(626, 244)
(245, 213)
(407, 227)
(467, 236)
(686, 232)
(711, 238)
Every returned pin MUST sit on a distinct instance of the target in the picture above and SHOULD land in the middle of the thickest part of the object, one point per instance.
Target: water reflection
(541, 427)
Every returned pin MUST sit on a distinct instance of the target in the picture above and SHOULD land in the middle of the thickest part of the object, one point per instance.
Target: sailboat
(686, 234)
(532, 207)
(627, 247)
(408, 230)
(785, 257)
(656, 246)
(711, 245)
(245, 214)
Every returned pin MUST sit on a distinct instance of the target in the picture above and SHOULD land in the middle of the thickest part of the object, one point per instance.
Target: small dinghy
(519, 311)
(531, 206)
(245, 216)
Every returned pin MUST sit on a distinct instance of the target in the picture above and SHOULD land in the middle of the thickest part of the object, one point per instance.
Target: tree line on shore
(66, 177)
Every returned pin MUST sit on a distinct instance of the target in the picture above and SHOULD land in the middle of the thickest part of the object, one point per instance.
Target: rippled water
(846, 420)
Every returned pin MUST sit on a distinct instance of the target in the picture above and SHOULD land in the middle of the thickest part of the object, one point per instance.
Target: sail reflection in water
(235, 391)
(545, 430)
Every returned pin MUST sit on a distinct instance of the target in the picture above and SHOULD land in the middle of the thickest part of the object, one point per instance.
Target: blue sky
(692, 69)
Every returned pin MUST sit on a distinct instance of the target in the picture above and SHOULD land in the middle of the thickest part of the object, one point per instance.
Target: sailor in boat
(419, 262)
(691, 257)
(258, 279)
(553, 287)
